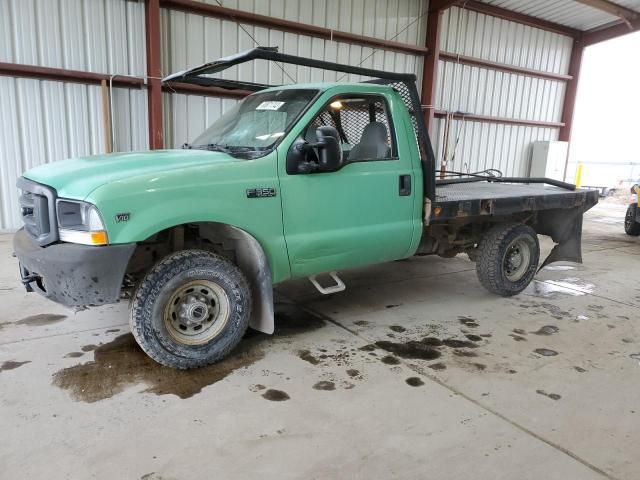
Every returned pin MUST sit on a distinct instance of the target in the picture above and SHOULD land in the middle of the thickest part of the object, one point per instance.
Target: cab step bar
(338, 287)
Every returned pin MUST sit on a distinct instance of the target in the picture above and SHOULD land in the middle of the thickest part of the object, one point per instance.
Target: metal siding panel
(483, 91)
(45, 121)
(354, 16)
(103, 36)
(498, 40)
(191, 39)
(488, 145)
(187, 116)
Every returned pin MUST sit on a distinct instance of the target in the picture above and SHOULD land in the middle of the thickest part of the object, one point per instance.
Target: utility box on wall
(548, 159)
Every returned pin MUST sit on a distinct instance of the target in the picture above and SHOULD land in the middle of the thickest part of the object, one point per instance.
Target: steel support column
(570, 93)
(154, 73)
(430, 68)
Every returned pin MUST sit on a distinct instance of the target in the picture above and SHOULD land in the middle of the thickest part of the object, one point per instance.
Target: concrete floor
(543, 385)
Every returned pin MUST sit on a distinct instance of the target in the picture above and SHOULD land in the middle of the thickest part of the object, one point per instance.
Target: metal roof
(569, 13)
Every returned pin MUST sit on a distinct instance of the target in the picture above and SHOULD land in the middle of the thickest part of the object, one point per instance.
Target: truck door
(362, 213)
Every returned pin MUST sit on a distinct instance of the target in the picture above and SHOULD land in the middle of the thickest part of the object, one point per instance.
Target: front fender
(252, 261)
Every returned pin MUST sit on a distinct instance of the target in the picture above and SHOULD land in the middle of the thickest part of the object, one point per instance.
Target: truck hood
(76, 178)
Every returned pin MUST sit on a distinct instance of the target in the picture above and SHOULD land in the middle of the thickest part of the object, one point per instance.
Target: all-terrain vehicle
(294, 181)
(632, 217)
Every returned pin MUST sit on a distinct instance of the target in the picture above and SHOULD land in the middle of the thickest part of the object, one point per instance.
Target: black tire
(631, 226)
(156, 331)
(495, 270)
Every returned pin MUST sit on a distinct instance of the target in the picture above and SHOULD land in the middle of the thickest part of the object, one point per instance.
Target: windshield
(256, 123)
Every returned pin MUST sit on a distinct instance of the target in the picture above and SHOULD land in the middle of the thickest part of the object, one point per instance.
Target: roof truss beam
(517, 17)
(437, 5)
(610, 31)
(625, 14)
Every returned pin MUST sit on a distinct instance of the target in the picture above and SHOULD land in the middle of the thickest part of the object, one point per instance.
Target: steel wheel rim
(197, 312)
(517, 259)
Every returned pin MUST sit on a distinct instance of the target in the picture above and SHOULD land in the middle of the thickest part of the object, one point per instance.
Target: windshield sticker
(269, 105)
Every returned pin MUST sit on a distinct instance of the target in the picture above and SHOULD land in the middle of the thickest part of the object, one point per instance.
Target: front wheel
(191, 309)
(507, 258)
(631, 226)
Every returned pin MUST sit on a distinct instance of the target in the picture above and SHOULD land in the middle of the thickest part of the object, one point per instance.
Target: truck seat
(373, 144)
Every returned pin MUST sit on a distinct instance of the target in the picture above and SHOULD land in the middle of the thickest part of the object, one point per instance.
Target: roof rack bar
(272, 54)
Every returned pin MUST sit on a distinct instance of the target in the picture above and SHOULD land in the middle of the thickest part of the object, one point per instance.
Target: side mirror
(329, 150)
(323, 156)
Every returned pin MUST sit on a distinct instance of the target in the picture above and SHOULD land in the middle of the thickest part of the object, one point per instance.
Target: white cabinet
(548, 159)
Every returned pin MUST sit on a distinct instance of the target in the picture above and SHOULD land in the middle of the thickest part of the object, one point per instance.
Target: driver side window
(364, 125)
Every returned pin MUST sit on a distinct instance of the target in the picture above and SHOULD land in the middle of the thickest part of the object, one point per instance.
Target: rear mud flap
(564, 226)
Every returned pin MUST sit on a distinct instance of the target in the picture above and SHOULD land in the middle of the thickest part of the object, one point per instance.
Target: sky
(607, 117)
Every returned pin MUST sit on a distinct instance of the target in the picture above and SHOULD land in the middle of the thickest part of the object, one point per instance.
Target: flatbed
(458, 200)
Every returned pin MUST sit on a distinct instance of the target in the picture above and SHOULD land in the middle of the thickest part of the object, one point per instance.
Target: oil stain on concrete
(307, 356)
(413, 349)
(12, 365)
(275, 395)
(74, 354)
(546, 352)
(468, 322)
(552, 396)
(414, 382)
(390, 360)
(325, 385)
(428, 348)
(439, 366)
(547, 330)
(397, 328)
(40, 320)
(121, 363)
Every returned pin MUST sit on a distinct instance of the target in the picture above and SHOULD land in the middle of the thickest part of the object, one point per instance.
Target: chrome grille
(37, 208)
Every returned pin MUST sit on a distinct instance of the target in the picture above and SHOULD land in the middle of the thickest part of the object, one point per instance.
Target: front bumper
(70, 274)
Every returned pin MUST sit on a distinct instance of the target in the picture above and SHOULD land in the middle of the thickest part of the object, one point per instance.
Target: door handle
(404, 185)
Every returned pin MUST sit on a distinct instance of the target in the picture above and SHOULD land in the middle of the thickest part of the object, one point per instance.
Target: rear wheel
(507, 258)
(191, 309)
(631, 226)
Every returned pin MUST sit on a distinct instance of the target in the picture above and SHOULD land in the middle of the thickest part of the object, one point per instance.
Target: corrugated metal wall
(43, 121)
(190, 40)
(482, 91)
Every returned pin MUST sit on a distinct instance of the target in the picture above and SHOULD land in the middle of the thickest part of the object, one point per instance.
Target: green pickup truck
(294, 181)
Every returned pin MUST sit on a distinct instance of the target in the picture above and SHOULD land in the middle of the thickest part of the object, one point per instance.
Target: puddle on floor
(559, 268)
(121, 363)
(551, 288)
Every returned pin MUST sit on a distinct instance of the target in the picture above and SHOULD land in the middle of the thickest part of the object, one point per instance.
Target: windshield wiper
(216, 147)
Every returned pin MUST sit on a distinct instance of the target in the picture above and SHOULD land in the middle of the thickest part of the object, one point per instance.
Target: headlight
(80, 222)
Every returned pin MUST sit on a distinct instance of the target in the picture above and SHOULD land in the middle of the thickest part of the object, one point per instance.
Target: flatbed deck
(496, 198)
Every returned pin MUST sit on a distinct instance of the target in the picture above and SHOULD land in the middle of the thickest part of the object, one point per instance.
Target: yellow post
(578, 181)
